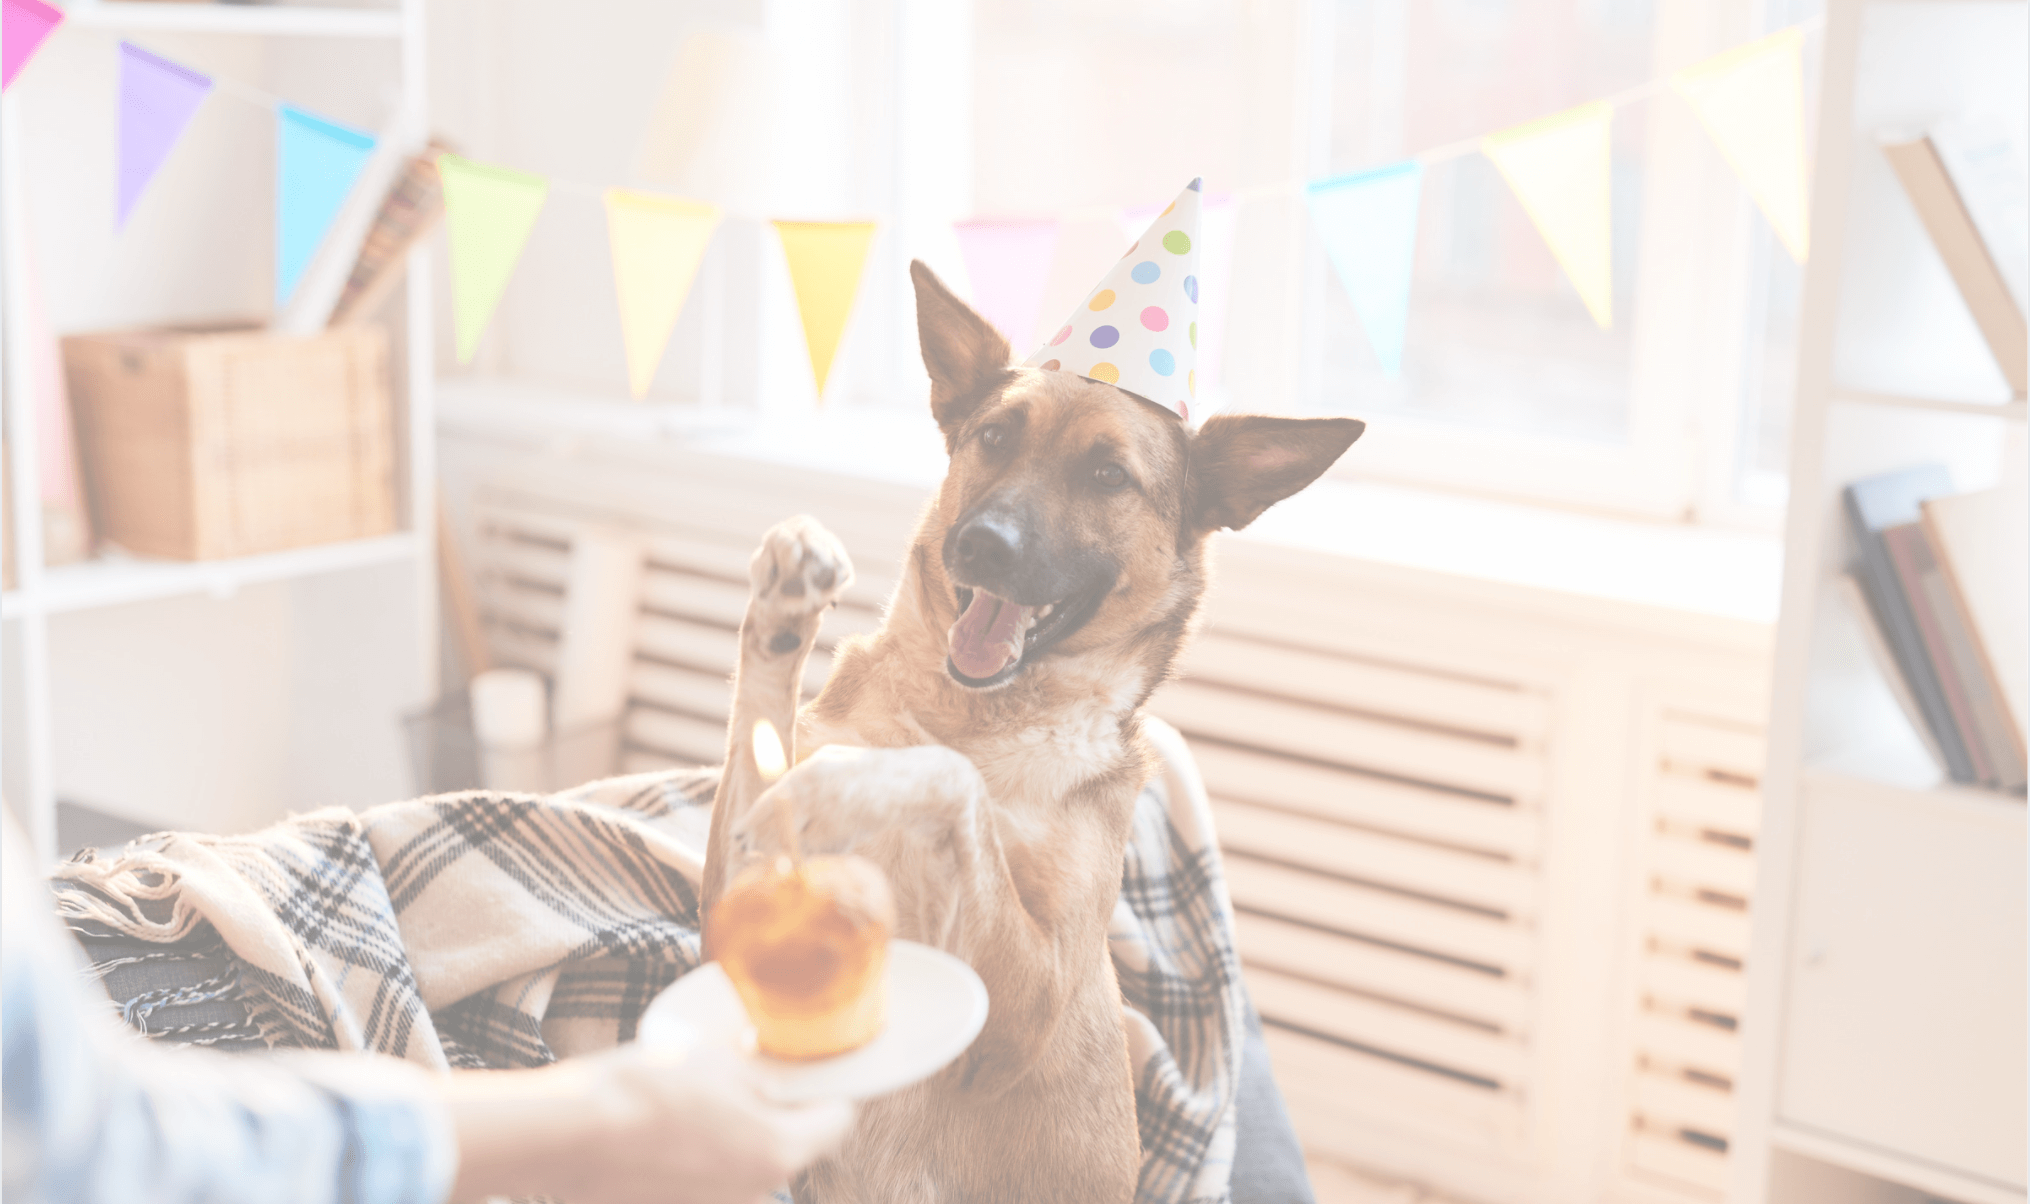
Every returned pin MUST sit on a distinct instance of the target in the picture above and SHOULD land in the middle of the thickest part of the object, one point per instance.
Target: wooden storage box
(200, 444)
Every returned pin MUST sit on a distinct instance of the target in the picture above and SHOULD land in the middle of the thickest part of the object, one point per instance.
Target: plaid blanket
(484, 930)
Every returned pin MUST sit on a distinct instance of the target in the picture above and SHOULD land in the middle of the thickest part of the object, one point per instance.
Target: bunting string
(1748, 99)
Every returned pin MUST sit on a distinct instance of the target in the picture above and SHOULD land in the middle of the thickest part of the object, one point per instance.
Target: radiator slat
(687, 690)
(1677, 1158)
(683, 739)
(1320, 677)
(1707, 803)
(1408, 924)
(1707, 745)
(1698, 863)
(1690, 1044)
(1334, 1093)
(1697, 925)
(1408, 865)
(1688, 981)
(1455, 1048)
(1436, 986)
(1356, 743)
(1670, 1099)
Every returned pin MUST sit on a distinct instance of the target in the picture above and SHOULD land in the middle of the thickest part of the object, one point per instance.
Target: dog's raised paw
(799, 570)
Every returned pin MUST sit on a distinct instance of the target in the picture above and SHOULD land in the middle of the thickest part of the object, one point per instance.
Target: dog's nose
(989, 544)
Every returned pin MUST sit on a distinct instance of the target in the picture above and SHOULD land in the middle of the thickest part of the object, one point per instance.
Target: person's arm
(94, 1113)
(633, 1125)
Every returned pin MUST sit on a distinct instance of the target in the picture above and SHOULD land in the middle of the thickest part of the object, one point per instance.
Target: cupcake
(806, 948)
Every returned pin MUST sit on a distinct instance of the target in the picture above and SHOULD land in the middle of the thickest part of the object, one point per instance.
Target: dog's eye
(1110, 476)
(993, 436)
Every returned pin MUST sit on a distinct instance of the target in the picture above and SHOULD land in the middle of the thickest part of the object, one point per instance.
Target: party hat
(1139, 329)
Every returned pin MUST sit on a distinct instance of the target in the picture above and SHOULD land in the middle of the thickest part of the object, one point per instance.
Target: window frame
(1691, 337)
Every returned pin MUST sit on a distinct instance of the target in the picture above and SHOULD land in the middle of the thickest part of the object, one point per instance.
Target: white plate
(936, 1005)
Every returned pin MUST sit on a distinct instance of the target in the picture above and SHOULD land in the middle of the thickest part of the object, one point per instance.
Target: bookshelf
(1885, 1042)
(44, 690)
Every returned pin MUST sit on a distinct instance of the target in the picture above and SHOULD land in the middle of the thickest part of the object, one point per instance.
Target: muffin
(806, 947)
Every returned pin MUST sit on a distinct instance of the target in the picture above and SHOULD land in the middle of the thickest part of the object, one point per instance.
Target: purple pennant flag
(24, 24)
(1009, 262)
(157, 99)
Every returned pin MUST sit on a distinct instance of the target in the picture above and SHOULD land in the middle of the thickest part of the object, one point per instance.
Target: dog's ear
(962, 350)
(1242, 464)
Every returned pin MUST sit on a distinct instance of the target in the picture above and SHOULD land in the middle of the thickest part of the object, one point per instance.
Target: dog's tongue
(988, 637)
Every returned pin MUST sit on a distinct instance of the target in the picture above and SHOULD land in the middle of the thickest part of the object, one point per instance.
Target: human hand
(636, 1125)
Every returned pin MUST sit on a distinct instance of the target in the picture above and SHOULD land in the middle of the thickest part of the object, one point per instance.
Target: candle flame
(768, 756)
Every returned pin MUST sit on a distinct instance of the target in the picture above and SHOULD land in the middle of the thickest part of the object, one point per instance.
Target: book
(1977, 709)
(1948, 218)
(1981, 540)
(409, 212)
(1856, 601)
(1872, 507)
(1988, 169)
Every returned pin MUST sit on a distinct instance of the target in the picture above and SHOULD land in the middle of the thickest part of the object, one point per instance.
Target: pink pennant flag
(24, 24)
(1009, 262)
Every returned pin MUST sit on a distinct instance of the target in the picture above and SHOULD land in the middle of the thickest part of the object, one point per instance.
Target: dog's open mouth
(994, 636)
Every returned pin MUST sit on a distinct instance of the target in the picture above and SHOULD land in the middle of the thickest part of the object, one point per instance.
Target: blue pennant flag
(316, 164)
(1369, 224)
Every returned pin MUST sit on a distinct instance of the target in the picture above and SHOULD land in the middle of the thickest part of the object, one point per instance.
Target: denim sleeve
(93, 1114)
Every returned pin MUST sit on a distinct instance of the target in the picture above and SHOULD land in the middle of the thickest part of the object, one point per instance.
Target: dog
(983, 747)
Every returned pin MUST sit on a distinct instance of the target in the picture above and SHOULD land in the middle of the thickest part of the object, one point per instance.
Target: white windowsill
(1710, 572)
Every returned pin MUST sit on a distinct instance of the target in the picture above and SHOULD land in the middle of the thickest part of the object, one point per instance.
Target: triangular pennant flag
(488, 213)
(1751, 100)
(1009, 262)
(824, 266)
(657, 243)
(1369, 224)
(24, 26)
(1558, 167)
(1138, 329)
(157, 99)
(316, 163)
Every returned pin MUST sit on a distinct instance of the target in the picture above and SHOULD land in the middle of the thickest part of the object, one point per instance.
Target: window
(1677, 411)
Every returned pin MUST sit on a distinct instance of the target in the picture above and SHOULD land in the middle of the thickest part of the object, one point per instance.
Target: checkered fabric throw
(486, 931)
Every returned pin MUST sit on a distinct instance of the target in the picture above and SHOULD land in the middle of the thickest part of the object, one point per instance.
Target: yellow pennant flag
(1558, 169)
(657, 243)
(488, 213)
(1751, 100)
(824, 266)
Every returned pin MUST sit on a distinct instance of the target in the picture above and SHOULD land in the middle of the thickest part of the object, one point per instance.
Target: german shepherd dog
(984, 747)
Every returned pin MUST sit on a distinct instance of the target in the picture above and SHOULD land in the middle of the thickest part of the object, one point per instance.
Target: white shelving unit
(1885, 1025)
(42, 591)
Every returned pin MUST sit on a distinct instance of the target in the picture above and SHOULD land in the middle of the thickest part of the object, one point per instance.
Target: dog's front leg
(799, 570)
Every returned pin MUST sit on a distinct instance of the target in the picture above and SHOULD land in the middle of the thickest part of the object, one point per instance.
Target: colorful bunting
(1369, 224)
(1751, 100)
(488, 212)
(316, 162)
(824, 267)
(157, 99)
(1009, 262)
(657, 243)
(24, 26)
(1558, 167)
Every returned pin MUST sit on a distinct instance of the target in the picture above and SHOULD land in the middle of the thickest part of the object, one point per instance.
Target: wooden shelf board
(1856, 776)
(2014, 409)
(1883, 1164)
(251, 19)
(114, 581)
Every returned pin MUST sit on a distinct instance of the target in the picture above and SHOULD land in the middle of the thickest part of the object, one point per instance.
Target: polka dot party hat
(1139, 328)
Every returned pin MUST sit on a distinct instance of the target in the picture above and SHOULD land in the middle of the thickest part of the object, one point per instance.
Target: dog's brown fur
(1000, 815)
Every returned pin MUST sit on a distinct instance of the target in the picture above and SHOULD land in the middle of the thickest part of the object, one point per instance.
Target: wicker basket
(202, 444)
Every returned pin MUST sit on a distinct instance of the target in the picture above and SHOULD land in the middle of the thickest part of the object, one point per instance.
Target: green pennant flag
(488, 212)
